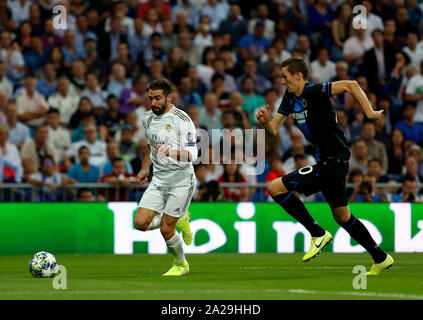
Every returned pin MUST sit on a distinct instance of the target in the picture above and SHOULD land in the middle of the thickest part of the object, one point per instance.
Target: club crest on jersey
(168, 127)
(149, 121)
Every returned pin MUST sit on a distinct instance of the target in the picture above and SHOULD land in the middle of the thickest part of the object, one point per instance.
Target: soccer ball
(43, 265)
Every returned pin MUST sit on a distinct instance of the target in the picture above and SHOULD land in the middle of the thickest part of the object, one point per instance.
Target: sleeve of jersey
(285, 106)
(188, 139)
(323, 90)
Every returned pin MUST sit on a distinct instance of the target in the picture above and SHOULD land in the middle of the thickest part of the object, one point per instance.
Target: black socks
(291, 204)
(359, 233)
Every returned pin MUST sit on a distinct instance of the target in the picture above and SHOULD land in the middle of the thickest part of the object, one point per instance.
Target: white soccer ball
(43, 265)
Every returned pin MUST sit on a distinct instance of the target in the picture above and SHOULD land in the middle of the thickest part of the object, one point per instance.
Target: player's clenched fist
(142, 176)
(263, 114)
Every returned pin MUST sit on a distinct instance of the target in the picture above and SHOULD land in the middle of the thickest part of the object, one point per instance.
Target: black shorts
(326, 176)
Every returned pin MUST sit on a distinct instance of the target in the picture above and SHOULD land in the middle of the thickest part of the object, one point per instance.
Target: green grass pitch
(215, 276)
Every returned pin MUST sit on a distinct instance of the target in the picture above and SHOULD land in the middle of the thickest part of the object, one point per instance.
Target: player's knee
(140, 223)
(276, 187)
(341, 215)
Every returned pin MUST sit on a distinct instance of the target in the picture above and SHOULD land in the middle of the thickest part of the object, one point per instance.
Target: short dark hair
(116, 159)
(53, 110)
(375, 160)
(82, 148)
(409, 177)
(296, 64)
(161, 84)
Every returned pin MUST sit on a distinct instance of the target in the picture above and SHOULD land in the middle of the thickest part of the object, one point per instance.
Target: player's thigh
(306, 180)
(178, 200)
(151, 203)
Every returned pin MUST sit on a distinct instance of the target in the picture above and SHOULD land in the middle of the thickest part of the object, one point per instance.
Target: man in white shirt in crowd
(9, 157)
(57, 136)
(32, 107)
(64, 100)
(97, 148)
(414, 51)
(5, 84)
(355, 47)
(18, 132)
(322, 69)
(414, 90)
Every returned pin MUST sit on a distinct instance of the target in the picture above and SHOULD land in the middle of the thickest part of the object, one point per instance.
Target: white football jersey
(176, 130)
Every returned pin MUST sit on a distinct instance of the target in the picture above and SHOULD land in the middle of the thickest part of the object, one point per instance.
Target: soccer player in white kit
(172, 150)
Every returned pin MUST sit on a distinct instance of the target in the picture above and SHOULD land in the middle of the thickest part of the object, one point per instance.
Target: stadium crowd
(71, 100)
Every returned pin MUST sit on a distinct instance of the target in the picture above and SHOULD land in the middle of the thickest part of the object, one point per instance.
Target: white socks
(175, 246)
(155, 223)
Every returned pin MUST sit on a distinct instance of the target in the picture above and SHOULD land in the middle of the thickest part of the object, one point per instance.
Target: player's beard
(159, 110)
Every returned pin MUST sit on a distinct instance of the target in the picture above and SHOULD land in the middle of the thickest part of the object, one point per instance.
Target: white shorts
(172, 201)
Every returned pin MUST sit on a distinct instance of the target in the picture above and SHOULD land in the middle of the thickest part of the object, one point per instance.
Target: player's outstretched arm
(271, 125)
(353, 88)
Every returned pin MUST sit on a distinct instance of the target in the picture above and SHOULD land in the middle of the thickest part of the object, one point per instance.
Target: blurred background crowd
(71, 100)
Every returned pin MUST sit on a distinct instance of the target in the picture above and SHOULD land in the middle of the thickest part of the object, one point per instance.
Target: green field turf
(214, 276)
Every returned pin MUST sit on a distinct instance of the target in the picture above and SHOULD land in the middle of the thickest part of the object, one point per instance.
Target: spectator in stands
(124, 59)
(341, 30)
(10, 160)
(187, 94)
(169, 38)
(58, 61)
(413, 91)
(11, 54)
(414, 51)
(395, 152)
(128, 148)
(49, 38)
(322, 69)
(24, 37)
(137, 41)
(92, 61)
(136, 163)
(64, 101)
(391, 112)
(132, 98)
(374, 168)
(32, 151)
(203, 37)
(231, 66)
(263, 17)
(71, 52)
(120, 10)
(409, 191)
(276, 170)
(417, 152)
(32, 107)
(58, 136)
(77, 75)
(205, 70)
(234, 24)
(218, 87)
(82, 33)
(411, 167)
(108, 42)
(359, 156)
(375, 149)
(354, 48)
(112, 152)
(18, 132)
(86, 195)
(83, 172)
(119, 81)
(187, 7)
(182, 23)
(36, 57)
(113, 119)
(4, 101)
(120, 178)
(355, 176)
(210, 116)
(413, 132)
(342, 118)
(47, 85)
(373, 21)
(97, 147)
(163, 8)
(175, 66)
(6, 85)
(250, 70)
(213, 163)
(367, 191)
(378, 62)
(131, 119)
(48, 180)
(94, 92)
(152, 23)
(231, 174)
(391, 39)
(253, 46)
(217, 11)
(251, 99)
(289, 164)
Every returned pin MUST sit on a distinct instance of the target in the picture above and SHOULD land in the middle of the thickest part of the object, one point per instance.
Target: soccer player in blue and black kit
(311, 107)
